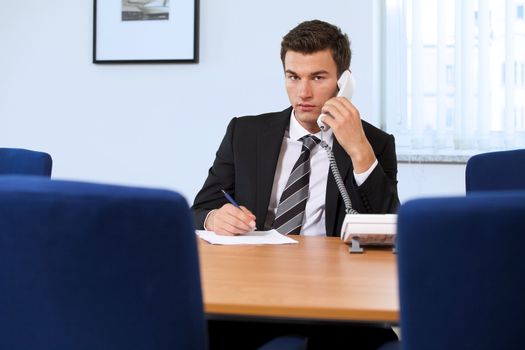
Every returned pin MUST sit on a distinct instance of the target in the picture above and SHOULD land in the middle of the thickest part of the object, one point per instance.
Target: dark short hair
(313, 36)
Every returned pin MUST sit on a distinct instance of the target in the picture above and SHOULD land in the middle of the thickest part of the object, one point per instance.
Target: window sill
(419, 157)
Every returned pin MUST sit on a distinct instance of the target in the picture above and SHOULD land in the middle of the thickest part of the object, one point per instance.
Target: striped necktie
(290, 211)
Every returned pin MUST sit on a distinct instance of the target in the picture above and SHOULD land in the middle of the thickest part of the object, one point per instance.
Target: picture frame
(145, 31)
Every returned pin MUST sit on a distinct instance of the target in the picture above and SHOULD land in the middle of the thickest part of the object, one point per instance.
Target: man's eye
(293, 77)
(318, 77)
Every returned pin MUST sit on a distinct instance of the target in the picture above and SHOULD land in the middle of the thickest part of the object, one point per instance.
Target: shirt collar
(296, 131)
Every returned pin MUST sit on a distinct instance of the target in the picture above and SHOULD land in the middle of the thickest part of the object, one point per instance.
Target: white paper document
(254, 237)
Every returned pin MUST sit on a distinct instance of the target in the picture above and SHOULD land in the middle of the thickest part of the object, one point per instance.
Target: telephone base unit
(369, 229)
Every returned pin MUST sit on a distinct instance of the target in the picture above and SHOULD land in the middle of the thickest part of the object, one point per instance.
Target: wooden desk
(316, 279)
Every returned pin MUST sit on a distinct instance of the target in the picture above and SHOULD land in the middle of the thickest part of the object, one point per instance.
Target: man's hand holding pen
(230, 219)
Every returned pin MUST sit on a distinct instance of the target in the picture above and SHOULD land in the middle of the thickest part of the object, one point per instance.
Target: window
(453, 77)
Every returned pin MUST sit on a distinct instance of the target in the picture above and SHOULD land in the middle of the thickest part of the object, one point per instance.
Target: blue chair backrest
(496, 171)
(461, 268)
(17, 161)
(91, 266)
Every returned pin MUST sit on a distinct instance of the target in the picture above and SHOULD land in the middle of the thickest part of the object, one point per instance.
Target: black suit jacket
(245, 166)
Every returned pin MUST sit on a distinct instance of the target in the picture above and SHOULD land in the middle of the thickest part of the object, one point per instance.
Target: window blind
(454, 76)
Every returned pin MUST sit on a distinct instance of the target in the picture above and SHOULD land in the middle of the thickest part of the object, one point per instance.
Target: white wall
(160, 125)
(424, 180)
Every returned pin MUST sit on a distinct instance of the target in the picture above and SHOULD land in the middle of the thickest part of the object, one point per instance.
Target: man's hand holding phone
(345, 121)
(344, 118)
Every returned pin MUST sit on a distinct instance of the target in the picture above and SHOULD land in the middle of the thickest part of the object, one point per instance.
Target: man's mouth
(305, 107)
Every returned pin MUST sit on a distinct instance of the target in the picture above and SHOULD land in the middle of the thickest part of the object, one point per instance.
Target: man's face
(311, 80)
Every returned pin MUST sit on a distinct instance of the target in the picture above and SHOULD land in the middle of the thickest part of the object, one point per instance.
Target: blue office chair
(16, 161)
(461, 272)
(496, 171)
(89, 266)
(92, 266)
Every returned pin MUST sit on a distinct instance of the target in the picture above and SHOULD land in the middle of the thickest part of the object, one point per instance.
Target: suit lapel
(269, 143)
(344, 164)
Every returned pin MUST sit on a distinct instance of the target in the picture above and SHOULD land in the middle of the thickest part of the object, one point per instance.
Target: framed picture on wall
(146, 31)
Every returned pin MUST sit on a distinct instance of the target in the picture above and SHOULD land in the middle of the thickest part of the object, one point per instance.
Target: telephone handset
(346, 84)
(369, 229)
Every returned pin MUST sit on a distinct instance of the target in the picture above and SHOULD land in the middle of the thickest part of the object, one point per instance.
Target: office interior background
(159, 125)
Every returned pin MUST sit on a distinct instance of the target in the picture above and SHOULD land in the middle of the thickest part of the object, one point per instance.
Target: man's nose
(305, 90)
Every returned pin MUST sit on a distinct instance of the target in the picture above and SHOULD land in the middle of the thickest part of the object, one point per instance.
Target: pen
(230, 199)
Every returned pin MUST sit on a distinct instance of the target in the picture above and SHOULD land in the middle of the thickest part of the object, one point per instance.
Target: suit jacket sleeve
(378, 193)
(220, 176)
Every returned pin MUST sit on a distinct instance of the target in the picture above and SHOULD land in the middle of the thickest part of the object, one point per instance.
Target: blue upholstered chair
(496, 171)
(89, 266)
(462, 272)
(19, 161)
(92, 266)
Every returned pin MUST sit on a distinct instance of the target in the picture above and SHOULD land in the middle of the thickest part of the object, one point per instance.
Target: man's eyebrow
(320, 72)
(313, 74)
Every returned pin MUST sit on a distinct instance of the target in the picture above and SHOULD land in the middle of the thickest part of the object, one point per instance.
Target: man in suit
(256, 158)
(257, 153)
